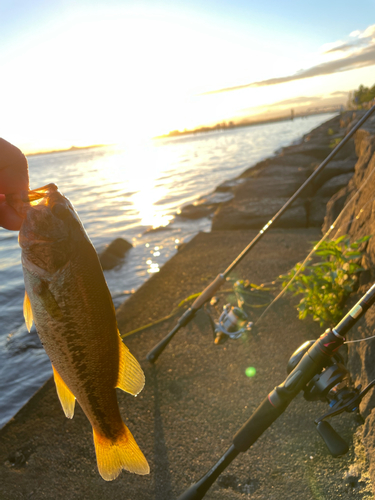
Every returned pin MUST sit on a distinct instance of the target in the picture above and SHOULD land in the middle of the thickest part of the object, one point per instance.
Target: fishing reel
(234, 321)
(333, 386)
(232, 324)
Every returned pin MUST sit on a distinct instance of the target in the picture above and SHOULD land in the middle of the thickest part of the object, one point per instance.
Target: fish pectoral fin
(48, 301)
(27, 312)
(131, 378)
(122, 453)
(66, 397)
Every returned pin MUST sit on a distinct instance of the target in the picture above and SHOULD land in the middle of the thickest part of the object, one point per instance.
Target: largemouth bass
(68, 299)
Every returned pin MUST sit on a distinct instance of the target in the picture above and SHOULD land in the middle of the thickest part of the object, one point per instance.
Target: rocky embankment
(358, 219)
(252, 199)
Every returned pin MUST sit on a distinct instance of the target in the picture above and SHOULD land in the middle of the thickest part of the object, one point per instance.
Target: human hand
(14, 177)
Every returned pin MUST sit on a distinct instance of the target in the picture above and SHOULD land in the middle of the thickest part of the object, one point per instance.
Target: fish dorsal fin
(27, 312)
(66, 397)
(130, 377)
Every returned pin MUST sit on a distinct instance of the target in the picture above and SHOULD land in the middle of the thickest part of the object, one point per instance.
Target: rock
(195, 211)
(254, 214)
(334, 207)
(317, 211)
(296, 160)
(113, 253)
(347, 118)
(352, 476)
(363, 138)
(229, 185)
(333, 169)
(317, 151)
(283, 171)
(347, 151)
(361, 168)
(369, 125)
(331, 187)
(280, 186)
(205, 206)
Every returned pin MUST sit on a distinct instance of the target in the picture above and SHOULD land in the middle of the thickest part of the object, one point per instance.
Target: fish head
(51, 230)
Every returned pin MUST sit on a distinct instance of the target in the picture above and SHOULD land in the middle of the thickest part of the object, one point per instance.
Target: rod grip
(208, 292)
(153, 355)
(259, 421)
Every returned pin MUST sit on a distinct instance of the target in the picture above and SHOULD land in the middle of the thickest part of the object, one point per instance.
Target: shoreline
(72, 149)
(227, 125)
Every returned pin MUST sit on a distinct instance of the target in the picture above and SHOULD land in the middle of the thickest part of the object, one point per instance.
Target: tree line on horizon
(363, 95)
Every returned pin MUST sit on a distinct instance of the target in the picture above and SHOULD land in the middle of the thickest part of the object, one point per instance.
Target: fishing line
(315, 248)
(359, 340)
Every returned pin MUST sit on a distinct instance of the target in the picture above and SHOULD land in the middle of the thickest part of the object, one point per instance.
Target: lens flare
(250, 371)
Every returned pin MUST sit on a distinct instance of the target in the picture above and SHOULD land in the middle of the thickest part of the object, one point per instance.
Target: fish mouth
(36, 195)
(22, 201)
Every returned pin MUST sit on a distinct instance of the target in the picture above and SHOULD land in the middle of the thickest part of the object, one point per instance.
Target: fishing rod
(213, 287)
(317, 369)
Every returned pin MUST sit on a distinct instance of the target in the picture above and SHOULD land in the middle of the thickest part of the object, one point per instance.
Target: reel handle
(335, 443)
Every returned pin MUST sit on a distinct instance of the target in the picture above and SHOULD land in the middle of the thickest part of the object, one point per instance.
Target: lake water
(121, 191)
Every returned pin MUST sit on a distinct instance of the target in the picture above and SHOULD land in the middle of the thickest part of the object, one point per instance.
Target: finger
(14, 174)
(9, 219)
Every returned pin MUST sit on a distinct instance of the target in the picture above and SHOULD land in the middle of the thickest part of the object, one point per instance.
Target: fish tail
(114, 455)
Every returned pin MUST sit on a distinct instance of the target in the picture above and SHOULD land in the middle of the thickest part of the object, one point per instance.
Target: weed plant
(325, 285)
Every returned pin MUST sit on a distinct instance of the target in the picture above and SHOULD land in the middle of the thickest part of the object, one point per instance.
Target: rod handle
(208, 292)
(153, 355)
(259, 421)
(197, 491)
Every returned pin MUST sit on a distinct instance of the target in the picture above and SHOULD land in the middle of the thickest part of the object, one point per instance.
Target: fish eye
(60, 211)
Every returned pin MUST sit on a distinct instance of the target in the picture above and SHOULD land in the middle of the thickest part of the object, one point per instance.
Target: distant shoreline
(219, 126)
(249, 123)
(72, 149)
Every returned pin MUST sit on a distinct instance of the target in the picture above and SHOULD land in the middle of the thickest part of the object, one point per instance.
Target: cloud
(340, 48)
(298, 100)
(295, 101)
(359, 56)
(362, 38)
(299, 104)
(332, 46)
(339, 93)
(368, 33)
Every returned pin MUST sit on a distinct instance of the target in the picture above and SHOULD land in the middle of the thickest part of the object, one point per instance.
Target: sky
(76, 73)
